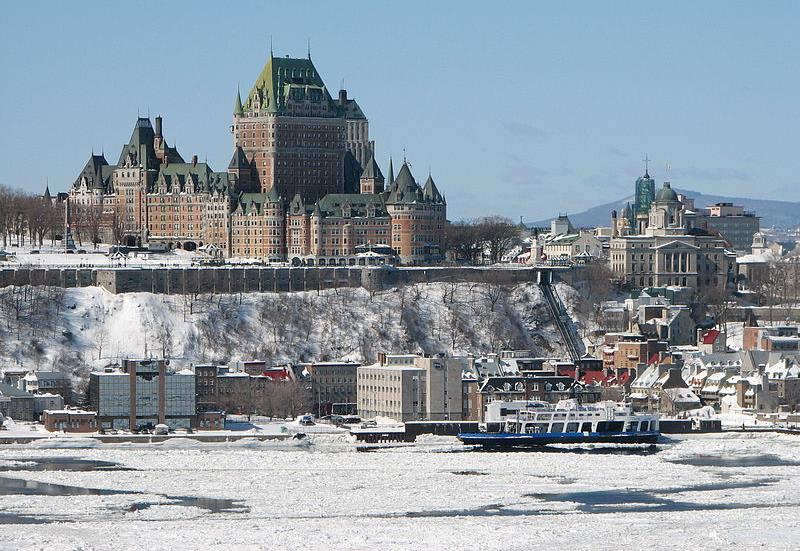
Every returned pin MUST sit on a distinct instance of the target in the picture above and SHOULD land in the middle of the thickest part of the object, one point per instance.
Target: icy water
(737, 491)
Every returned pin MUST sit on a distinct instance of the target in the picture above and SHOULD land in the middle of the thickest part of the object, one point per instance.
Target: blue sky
(518, 108)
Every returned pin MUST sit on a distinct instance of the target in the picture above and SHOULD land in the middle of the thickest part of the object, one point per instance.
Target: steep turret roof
(237, 107)
(390, 180)
(372, 171)
(239, 159)
(405, 189)
(431, 192)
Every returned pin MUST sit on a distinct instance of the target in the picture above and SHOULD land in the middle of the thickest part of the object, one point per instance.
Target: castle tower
(295, 134)
(372, 178)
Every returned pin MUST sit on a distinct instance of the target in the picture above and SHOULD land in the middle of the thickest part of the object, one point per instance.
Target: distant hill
(780, 214)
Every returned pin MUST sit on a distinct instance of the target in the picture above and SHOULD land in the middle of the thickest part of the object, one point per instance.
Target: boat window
(530, 429)
(557, 427)
(541, 427)
(645, 425)
(572, 427)
(544, 416)
(587, 427)
(609, 426)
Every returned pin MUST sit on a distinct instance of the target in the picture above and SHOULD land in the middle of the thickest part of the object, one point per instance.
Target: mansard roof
(351, 110)
(176, 176)
(253, 203)
(372, 171)
(239, 159)
(333, 204)
(277, 77)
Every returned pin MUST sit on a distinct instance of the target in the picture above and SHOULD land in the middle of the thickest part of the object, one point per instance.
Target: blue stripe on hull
(505, 439)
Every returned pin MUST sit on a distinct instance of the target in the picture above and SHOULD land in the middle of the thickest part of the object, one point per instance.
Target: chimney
(382, 358)
(342, 97)
(194, 160)
(158, 126)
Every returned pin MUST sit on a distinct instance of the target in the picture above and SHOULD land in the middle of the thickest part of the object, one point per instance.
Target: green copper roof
(237, 107)
(248, 203)
(176, 176)
(278, 77)
(335, 204)
(666, 194)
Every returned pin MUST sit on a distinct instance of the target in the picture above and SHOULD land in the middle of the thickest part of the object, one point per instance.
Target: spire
(47, 189)
(237, 108)
(646, 161)
(270, 46)
(390, 180)
(309, 48)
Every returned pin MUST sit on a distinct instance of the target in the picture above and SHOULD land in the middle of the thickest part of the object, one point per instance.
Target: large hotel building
(302, 185)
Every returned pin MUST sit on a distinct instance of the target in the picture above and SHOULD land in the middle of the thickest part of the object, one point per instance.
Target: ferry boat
(568, 422)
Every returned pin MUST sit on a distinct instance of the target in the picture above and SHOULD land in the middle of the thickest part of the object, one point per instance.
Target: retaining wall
(180, 280)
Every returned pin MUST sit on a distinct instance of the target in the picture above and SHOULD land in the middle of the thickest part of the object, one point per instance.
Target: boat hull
(513, 440)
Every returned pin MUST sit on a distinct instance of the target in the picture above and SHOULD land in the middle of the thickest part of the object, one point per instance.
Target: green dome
(666, 194)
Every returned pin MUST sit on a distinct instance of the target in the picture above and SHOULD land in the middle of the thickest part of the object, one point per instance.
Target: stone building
(663, 250)
(302, 185)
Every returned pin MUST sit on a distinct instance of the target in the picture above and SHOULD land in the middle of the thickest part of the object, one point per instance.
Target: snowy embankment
(74, 330)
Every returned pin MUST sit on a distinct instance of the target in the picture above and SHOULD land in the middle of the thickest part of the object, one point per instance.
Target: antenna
(308, 40)
(646, 161)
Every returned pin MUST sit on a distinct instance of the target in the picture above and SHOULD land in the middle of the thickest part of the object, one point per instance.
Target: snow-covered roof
(682, 396)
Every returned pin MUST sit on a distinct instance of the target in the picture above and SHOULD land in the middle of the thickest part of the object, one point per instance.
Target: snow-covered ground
(731, 491)
(53, 257)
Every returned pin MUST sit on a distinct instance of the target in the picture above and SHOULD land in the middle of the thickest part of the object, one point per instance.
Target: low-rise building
(48, 382)
(69, 420)
(16, 404)
(333, 386)
(45, 401)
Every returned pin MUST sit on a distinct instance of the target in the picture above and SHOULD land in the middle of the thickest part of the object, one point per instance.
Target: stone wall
(247, 279)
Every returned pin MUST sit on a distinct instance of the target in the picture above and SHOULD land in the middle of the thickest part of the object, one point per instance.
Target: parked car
(369, 424)
(307, 420)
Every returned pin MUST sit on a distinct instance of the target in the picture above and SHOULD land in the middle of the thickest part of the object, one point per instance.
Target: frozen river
(734, 491)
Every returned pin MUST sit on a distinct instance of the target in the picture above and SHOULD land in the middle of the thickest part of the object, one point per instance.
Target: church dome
(666, 194)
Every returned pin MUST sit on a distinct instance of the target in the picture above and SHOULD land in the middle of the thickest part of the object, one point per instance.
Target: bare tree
(498, 235)
(100, 340)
